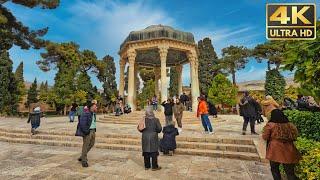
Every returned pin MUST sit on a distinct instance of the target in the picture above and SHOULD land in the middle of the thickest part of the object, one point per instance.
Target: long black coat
(248, 108)
(34, 118)
(150, 139)
(168, 108)
(168, 141)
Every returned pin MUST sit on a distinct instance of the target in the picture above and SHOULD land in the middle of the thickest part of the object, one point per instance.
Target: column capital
(131, 53)
(122, 63)
(163, 51)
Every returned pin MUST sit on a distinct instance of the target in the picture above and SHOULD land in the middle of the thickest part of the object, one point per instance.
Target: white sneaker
(211, 132)
(179, 130)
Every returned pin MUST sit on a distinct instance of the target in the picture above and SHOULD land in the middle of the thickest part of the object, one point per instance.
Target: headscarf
(86, 109)
(277, 116)
(149, 113)
(268, 97)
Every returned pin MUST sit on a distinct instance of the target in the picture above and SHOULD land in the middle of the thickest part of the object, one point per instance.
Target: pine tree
(44, 92)
(83, 83)
(173, 85)
(234, 58)
(8, 86)
(32, 93)
(208, 62)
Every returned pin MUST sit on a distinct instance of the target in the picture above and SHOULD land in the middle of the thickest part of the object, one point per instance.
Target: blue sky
(102, 25)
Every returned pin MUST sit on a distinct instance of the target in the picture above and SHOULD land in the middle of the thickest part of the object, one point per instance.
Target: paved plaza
(30, 161)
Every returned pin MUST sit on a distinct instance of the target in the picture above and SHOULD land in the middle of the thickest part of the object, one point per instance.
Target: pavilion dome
(158, 32)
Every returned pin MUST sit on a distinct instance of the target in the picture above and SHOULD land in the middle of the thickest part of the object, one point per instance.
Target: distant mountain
(258, 85)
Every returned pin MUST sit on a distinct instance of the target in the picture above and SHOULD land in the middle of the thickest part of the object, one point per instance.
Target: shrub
(308, 123)
(309, 165)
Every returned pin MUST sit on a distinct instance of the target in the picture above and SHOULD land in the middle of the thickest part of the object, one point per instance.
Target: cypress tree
(8, 86)
(208, 61)
(173, 85)
(107, 77)
(32, 93)
(275, 85)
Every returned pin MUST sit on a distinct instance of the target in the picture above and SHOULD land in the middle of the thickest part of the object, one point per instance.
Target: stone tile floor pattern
(24, 161)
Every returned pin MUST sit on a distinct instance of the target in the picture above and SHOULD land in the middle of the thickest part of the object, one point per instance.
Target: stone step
(133, 122)
(211, 153)
(239, 141)
(128, 141)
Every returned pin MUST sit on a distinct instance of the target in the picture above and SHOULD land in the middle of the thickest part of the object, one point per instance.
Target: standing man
(203, 113)
(248, 111)
(168, 110)
(87, 129)
(178, 109)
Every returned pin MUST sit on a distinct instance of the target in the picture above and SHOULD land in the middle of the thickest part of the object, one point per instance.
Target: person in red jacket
(203, 113)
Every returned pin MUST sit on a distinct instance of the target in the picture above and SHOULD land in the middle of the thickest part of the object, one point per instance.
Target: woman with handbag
(150, 126)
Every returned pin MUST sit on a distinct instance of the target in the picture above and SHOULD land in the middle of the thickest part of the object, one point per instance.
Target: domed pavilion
(158, 47)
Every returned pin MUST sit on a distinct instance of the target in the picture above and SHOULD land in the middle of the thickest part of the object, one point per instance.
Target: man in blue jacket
(87, 128)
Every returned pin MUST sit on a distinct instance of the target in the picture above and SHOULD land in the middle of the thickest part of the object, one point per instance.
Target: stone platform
(113, 137)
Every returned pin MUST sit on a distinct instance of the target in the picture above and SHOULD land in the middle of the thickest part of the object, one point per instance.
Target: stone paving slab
(27, 161)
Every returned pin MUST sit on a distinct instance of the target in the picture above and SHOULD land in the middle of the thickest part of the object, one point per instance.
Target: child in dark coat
(168, 142)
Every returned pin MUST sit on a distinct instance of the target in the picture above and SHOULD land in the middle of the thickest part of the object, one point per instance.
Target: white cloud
(251, 74)
(242, 35)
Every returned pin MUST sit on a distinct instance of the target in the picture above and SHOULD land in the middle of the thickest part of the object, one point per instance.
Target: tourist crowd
(278, 132)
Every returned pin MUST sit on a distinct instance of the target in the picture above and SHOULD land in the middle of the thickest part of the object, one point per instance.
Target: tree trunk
(234, 77)
(65, 110)
(269, 68)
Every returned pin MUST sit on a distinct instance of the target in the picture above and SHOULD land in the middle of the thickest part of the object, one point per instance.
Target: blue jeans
(206, 122)
(71, 115)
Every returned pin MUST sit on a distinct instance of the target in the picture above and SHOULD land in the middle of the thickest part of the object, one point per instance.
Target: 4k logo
(291, 21)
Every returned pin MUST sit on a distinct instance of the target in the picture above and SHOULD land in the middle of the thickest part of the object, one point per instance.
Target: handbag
(142, 124)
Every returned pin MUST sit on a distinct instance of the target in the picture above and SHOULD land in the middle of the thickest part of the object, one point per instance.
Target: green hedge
(308, 123)
(309, 165)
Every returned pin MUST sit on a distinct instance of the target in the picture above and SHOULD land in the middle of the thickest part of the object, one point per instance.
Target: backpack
(142, 124)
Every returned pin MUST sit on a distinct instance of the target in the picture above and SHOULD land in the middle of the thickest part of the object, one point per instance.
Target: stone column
(121, 78)
(163, 51)
(195, 91)
(157, 72)
(132, 58)
(179, 71)
(136, 79)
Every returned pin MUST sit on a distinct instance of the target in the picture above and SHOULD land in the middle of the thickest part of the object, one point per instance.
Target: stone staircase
(205, 146)
(135, 117)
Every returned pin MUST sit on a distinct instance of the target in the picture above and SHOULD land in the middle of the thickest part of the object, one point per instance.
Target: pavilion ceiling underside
(151, 57)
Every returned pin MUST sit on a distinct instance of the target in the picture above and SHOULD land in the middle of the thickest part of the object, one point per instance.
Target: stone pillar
(195, 91)
(121, 78)
(157, 72)
(131, 91)
(136, 79)
(163, 51)
(179, 71)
